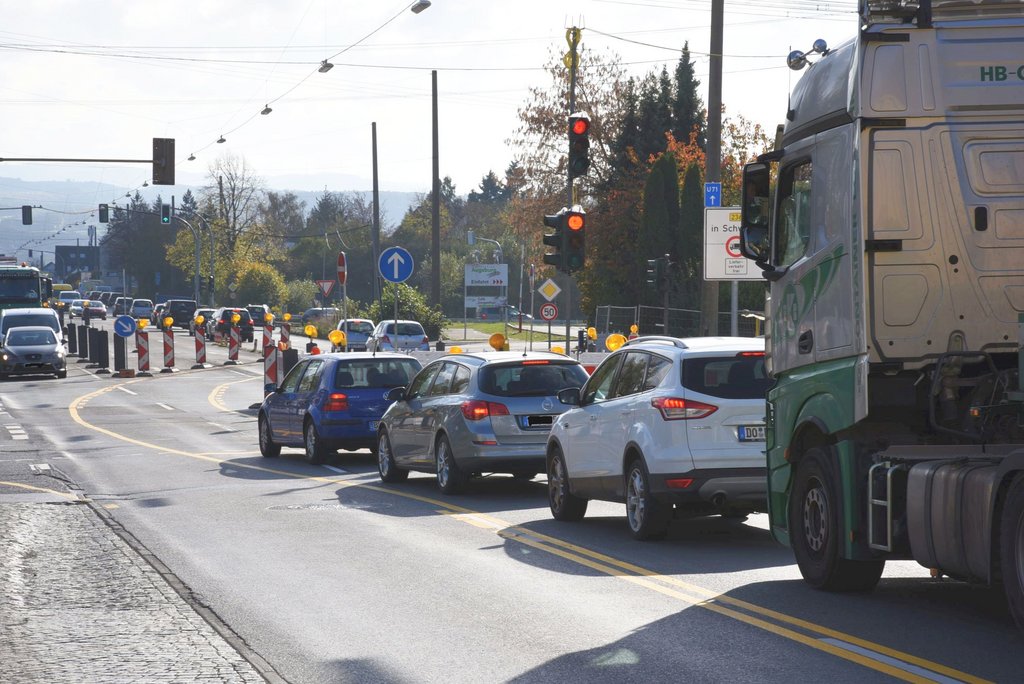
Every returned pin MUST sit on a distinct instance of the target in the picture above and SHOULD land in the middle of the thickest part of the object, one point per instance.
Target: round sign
(342, 268)
(124, 326)
(732, 246)
(395, 264)
(548, 312)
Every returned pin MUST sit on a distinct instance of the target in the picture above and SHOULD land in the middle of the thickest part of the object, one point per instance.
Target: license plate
(374, 424)
(751, 433)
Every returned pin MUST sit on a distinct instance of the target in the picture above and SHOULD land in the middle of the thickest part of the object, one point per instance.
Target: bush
(412, 305)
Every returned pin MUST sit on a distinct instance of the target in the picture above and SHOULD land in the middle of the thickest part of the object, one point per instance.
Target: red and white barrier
(268, 338)
(271, 366)
(168, 352)
(286, 334)
(200, 337)
(142, 347)
(234, 342)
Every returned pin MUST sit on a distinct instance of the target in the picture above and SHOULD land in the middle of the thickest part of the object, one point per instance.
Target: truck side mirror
(755, 221)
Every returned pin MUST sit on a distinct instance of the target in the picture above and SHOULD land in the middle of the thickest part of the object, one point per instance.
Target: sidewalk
(80, 604)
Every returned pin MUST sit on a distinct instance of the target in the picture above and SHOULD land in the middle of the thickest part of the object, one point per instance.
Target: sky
(99, 80)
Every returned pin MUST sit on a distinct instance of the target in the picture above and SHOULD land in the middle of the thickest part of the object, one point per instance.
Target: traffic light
(104, 213)
(657, 273)
(576, 239)
(26, 215)
(579, 144)
(165, 214)
(163, 161)
(556, 240)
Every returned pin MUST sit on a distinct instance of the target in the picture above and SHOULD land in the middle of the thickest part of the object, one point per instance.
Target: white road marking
(169, 408)
(337, 470)
(17, 432)
(894, 662)
(244, 375)
(127, 391)
(224, 427)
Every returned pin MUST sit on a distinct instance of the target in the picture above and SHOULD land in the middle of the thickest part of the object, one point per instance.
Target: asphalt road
(331, 575)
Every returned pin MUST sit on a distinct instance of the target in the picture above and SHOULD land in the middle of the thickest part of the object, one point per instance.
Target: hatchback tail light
(675, 408)
(385, 339)
(336, 402)
(478, 410)
(425, 340)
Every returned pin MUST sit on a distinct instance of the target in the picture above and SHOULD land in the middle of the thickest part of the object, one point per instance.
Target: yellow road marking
(38, 489)
(697, 596)
(216, 397)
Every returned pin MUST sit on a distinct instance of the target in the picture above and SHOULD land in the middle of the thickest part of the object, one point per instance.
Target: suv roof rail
(664, 339)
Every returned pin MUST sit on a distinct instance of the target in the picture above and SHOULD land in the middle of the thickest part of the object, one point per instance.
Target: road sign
(395, 264)
(326, 286)
(549, 289)
(124, 326)
(722, 258)
(342, 268)
(548, 312)
(712, 194)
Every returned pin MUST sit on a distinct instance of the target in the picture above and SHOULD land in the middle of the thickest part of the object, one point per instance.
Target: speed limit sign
(548, 312)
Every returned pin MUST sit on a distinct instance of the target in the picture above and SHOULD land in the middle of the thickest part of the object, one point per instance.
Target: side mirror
(271, 388)
(570, 396)
(395, 394)
(755, 221)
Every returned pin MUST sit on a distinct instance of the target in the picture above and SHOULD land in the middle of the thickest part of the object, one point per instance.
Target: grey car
(32, 350)
(474, 413)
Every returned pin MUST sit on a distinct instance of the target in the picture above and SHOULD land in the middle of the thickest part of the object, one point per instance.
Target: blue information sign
(395, 264)
(712, 194)
(124, 326)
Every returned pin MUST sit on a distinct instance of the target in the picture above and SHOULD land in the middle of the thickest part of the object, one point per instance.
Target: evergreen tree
(660, 223)
(687, 107)
(690, 260)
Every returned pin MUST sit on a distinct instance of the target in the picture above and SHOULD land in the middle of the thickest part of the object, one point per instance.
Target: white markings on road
(224, 427)
(244, 375)
(893, 662)
(17, 432)
(337, 470)
(169, 408)
(127, 391)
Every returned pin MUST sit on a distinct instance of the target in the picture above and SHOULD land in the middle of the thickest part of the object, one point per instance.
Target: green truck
(889, 224)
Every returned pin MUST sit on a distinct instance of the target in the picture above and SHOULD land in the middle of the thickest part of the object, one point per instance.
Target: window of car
(530, 378)
(376, 372)
(631, 377)
(599, 387)
(794, 224)
(20, 337)
(311, 378)
(742, 376)
(405, 329)
(461, 381)
(443, 380)
(657, 368)
(362, 327)
(422, 381)
(18, 320)
(291, 381)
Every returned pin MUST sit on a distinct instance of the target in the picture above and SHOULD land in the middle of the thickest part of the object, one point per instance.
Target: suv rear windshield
(531, 379)
(406, 329)
(364, 327)
(728, 377)
(185, 307)
(243, 316)
(375, 373)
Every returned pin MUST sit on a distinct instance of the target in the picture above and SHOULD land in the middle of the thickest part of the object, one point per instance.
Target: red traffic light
(574, 221)
(580, 126)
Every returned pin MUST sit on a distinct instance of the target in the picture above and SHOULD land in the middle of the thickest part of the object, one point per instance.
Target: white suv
(664, 423)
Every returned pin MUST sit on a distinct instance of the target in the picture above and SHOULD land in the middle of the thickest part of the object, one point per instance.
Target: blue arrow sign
(712, 194)
(124, 326)
(395, 264)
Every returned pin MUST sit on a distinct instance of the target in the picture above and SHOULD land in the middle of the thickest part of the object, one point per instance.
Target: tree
(238, 192)
(412, 305)
(660, 224)
(260, 283)
(689, 271)
(687, 107)
(299, 295)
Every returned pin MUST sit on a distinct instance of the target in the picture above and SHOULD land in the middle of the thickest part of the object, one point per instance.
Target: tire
(647, 518)
(386, 467)
(565, 505)
(814, 529)
(450, 479)
(315, 452)
(62, 374)
(1011, 550)
(267, 446)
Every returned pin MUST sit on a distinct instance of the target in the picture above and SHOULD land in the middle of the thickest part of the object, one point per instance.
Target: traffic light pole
(572, 36)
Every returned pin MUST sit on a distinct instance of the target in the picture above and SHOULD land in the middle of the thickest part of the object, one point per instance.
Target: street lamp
(419, 6)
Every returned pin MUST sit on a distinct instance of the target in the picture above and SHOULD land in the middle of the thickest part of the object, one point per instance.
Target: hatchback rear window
(371, 373)
(732, 377)
(531, 379)
(364, 327)
(406, 329)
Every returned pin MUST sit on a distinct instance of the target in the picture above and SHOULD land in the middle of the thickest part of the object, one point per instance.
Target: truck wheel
(1011, 550)
(815, 533)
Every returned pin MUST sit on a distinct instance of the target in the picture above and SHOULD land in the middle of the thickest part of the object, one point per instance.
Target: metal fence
(653, 320)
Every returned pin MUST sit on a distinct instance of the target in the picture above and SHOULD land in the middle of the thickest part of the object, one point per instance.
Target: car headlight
(6, 357)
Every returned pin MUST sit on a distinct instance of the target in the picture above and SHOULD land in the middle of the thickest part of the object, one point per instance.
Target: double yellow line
(895, 663)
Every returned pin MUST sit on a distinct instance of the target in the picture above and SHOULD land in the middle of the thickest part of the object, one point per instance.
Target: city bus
(24, 286)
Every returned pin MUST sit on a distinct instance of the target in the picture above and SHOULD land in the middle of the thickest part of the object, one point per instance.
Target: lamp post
(205, 224)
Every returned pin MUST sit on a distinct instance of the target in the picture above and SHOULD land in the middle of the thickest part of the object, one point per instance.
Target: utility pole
(572, 36)
(435, 209)
(376, 218)
(713, 168)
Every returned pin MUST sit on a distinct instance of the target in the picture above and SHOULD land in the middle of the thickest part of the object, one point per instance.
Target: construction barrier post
(120, 353)
(271, 366)
(268, 338)
(142, 346)
(168, 352)
(103, 352)
(286, 334)
(234, 342)
(83, 344)
(72, 335)
(200, 348)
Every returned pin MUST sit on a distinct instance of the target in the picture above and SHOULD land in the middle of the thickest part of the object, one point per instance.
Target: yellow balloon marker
(337, 338)
(497, 341)
(592, 333)
(287, 317)
(268, 318)
(455, 350)
(235, 317)
(310, 330)
(614, 342)
(200, 319)
(634, 329)
(558, 350)
(168, 322)
(143, 322)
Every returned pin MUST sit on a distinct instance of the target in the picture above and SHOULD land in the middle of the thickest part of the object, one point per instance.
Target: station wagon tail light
(674, 408)
(750, 353)
(536, 362)
(336, 402)
(478, 410)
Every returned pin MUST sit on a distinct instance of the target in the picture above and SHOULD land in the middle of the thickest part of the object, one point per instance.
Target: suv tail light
(674, 408)
(336, 402)
(478, 410)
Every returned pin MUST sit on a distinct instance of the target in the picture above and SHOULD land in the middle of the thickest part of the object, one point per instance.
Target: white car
(398, 335)
(665, 425)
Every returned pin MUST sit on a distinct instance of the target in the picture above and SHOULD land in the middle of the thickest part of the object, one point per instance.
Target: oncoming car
(331, 401)
(669, 427)
(468, 414)
(32, 350)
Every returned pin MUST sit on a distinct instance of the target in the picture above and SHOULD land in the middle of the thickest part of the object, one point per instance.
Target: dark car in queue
(220, 325)
(32, 350)
(469, 414)
(331, 401)
(180, 311)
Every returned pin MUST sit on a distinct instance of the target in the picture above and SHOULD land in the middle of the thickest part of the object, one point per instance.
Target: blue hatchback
(332, 401)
